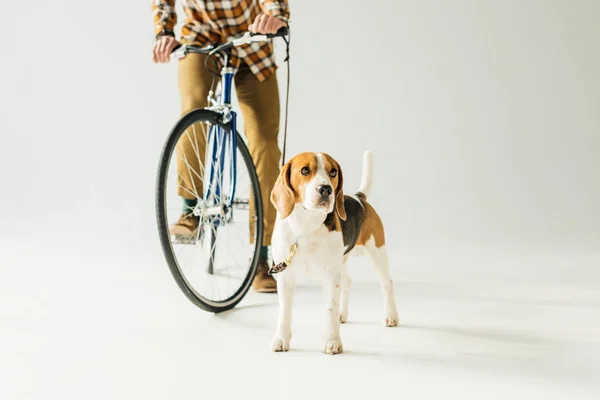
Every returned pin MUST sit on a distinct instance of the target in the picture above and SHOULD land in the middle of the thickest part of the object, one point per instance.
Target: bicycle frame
(222, 141)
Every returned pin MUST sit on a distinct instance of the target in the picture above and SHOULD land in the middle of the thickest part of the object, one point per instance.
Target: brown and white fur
(329, 227)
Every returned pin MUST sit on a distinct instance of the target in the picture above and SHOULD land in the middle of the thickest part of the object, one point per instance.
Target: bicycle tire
(187, 120)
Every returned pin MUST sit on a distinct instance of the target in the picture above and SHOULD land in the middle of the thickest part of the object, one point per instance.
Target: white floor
(101, 326)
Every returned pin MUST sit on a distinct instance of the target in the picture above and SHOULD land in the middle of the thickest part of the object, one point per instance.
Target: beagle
(317, 228)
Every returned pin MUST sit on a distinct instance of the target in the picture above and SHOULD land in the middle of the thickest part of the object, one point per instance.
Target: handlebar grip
(283, 31)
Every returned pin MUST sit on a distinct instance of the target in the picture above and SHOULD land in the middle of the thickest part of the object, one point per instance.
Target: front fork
(223, 142)
(216, 208)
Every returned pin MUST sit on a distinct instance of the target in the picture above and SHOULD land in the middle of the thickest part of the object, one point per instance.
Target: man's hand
(163, 46)
(264, 24)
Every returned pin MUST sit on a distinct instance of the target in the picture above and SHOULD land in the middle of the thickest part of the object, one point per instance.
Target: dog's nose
(325, 190)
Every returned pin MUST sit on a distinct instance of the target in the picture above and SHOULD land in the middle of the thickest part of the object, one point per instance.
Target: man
(256, 86)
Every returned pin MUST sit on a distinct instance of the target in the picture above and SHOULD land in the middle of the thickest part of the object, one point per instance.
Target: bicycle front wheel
(209, 211)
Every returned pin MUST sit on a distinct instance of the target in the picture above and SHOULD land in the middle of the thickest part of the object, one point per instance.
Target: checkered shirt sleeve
(165, 18)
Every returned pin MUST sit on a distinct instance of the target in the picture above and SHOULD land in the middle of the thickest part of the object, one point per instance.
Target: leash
(287, 93)
(275, 269)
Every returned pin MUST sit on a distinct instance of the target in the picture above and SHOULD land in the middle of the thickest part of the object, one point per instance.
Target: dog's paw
(280, 344)
(391, 319)
(334, 346)
(343, 317)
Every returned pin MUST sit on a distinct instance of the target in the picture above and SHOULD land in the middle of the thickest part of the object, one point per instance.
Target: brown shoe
(186, 226)
(263, 282)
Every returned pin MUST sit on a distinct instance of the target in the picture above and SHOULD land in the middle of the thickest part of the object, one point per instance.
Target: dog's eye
(305, 171)
(333, 173)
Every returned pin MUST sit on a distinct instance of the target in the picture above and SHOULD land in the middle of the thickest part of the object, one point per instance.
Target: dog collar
(286, 262)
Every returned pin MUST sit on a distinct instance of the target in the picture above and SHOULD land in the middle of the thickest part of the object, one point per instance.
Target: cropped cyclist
(212, 22)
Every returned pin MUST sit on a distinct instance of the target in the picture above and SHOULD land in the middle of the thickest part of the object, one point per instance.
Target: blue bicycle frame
(221, 141)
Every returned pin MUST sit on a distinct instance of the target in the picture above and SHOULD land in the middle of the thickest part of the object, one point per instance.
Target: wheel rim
(215, 266)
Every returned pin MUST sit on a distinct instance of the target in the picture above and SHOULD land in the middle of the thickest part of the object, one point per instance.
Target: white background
(483, 117)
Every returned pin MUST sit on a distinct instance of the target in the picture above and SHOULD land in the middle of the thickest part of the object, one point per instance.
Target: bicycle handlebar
(248, 37)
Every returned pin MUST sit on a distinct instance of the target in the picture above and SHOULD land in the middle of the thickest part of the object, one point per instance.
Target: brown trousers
(259, 104)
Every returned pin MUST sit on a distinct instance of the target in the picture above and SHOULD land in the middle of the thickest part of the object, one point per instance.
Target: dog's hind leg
(333, 343)
(379, 258)
(346, 283)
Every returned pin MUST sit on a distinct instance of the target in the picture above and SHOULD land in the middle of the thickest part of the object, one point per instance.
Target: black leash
(275, 269)
(287, 93)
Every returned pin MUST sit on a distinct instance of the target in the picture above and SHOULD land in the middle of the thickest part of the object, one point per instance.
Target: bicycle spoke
(195, 148)
(191, 179)
(195, 194)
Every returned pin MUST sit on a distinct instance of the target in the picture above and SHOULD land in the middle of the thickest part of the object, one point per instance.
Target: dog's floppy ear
(283, 196)
(339, 195)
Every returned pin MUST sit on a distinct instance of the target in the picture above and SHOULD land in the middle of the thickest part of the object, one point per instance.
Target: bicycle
(221, 200)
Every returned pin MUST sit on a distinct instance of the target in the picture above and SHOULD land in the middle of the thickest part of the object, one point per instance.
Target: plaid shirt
(218, 21)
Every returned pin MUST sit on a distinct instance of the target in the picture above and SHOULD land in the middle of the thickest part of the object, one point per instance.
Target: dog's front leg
(286, 289)
(333, 340)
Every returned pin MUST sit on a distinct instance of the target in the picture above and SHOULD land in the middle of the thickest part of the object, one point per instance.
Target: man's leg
(194, 84)
(259, 103)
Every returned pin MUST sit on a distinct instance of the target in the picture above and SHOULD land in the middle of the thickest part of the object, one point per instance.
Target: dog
(316, 229)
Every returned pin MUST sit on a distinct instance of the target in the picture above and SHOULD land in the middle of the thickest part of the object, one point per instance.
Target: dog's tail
(366, 181)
